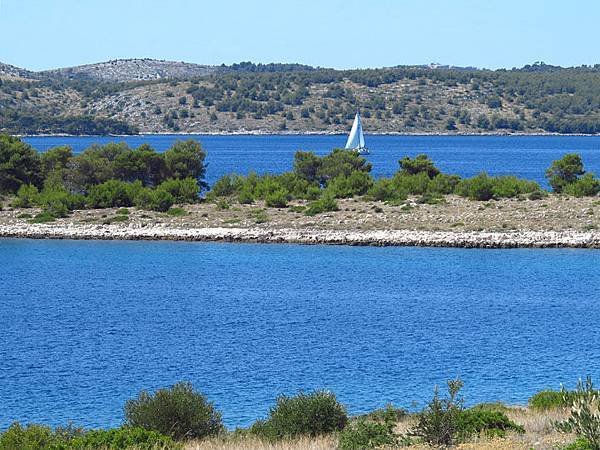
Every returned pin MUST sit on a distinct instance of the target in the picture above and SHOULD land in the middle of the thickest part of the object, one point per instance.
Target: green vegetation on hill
(291, 97)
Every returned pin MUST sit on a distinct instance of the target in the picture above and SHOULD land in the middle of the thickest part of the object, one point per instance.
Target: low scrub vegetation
(115, 175)
(178, 412)
(179, 417)
(311, 414)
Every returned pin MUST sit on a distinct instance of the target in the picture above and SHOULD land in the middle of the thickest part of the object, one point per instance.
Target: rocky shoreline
(463, 239)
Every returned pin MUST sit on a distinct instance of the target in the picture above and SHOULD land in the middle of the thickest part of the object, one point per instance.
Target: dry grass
(539, 435)
(321, 443)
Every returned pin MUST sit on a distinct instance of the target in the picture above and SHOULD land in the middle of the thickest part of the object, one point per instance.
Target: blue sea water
(86, 325)
(525, 156)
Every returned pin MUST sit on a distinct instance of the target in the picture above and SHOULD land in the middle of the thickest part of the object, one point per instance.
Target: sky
(45, 34)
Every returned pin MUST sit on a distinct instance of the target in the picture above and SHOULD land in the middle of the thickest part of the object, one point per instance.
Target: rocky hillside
(11, 72)
(123, 70)
(151, 96)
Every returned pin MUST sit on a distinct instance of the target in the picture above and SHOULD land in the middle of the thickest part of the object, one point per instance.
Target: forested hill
(149, 96)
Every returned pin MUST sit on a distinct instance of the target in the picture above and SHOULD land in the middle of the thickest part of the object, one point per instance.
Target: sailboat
(356, 139)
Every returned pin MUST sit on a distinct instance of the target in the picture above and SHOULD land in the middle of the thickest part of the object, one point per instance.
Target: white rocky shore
(467, 239)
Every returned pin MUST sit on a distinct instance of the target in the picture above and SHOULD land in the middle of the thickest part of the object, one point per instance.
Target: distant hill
(123, 70)
(8, 71)
(151, 96)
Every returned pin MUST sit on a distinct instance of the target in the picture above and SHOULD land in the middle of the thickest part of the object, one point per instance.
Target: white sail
(356, 140)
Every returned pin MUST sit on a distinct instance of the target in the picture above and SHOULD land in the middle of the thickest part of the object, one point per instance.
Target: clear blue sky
(43, 34)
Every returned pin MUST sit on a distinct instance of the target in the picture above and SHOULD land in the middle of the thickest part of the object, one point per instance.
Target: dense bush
(365, 434)
(178, 412)
(357, 183)
(277, 199)
(183, 190)
(548, 400)
(59, 202)
(420, 164)
(113, 193)
(19, 164)
(385, 190)
(564, 171)
(311, 414)
(325, 203)
(480, 187)
(438, 423)
(40, 437)
(491, 422)
(121, 439)
(585, 186)
(27, 196)
(372, 430)
(483, 187)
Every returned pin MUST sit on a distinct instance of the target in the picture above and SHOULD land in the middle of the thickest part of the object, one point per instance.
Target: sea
(87, 325)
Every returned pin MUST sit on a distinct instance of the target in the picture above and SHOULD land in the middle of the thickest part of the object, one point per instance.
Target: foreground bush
(372, 430)
(437, 424)
(544, 400)
(584, 415)
(41, 437)
(476, 421)
(122, 438)
(365, 434)
(178, 412)
(311, 414)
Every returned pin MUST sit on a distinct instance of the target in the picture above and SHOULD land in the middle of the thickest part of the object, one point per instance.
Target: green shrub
(225, 186)
(121, 439)
(40, 437)
(511, 186)
(313, 414)
(365, 434)
(564, 171)
(178, 412)
(246, 197)
(416, 184)
(586, 186)
(584, 414)
(153, 200)
(297, 187)
(115, 219)
(176, 212)
(277, 199)
(324, 204)
(438, 424)
(421, 164)
(491, 422)
(43, 217)
(58, 202)
(113, 193)
(27, 196)
(266, 185)
(443, 184)
(382, 190)
(222, 204)
(357, 183)
(122, 211)
(183, 190)
(30, 437)
(580, 444)
(547, 400)
(480, 187)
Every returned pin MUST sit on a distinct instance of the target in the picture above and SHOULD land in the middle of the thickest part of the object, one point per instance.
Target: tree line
(115, 175)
